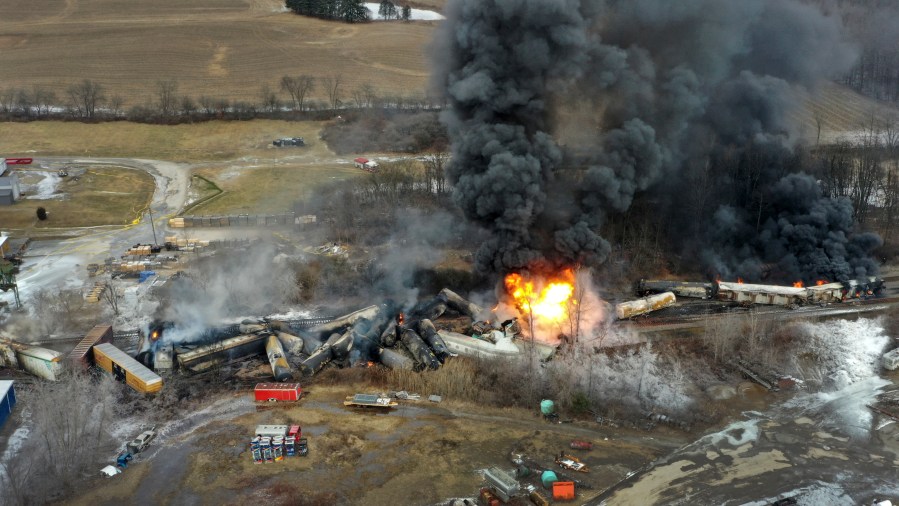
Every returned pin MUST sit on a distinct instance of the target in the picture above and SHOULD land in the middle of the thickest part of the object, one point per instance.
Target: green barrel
(548, 478)
(547, 407)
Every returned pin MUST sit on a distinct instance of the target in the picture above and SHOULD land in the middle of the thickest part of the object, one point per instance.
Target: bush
(41, 213)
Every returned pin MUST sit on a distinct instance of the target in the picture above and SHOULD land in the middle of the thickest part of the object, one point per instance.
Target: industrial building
(7, 400)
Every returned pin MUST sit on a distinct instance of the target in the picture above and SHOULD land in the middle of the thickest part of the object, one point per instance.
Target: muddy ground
(419, 453)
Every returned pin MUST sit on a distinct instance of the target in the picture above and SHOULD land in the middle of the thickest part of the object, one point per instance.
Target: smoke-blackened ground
(680, 99)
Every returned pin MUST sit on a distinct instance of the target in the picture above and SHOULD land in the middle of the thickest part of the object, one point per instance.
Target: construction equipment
(571, 463)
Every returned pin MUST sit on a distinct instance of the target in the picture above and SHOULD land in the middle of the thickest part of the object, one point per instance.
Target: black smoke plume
(676, 91)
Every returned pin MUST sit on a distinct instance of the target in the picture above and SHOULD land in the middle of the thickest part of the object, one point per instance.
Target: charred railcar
(679, 288)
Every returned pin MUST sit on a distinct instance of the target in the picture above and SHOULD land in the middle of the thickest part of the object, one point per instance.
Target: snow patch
(46, 188)
(416, 14)
(847, 351)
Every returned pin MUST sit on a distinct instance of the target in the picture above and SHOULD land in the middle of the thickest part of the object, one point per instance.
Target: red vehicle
(19, 161)
(278, 392)
(581, 445)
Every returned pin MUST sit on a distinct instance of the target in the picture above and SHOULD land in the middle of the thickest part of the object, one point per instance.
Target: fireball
(543, 299)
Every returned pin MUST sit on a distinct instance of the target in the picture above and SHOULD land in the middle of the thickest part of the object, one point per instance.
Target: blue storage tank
(7, 400)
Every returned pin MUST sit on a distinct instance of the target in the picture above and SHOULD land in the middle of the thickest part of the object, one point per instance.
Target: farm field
(218, 48)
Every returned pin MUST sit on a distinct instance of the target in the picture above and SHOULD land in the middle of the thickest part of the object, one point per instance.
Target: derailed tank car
(630, 309)
(679, 288)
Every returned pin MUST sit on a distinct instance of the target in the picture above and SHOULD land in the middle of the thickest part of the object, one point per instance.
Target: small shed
(7, 400)
(6, 198)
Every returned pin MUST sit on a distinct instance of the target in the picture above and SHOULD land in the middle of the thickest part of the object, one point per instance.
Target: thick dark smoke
(677, 87)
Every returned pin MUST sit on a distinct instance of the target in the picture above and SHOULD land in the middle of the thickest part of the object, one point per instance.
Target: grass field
(101, 196)
(215, 140)
(217, 48)
(268, 188)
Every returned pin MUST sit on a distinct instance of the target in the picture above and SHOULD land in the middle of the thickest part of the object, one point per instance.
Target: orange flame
(370, 364)
(798, 284)
(154, 335)
(740, 281)
(821, 282)
(547, 299)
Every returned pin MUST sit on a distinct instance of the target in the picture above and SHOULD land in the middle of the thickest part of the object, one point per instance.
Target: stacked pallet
(96, 292)
(182, 242)
(139, 250)
(133, 266)
(176, 222)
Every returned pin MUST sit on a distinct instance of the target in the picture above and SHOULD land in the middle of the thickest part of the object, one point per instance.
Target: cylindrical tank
(547, 407)
(388, 337)
(645, 305)
(280, 367)
(548, 478)
(395, 360)
(429, 333)
(419, 349)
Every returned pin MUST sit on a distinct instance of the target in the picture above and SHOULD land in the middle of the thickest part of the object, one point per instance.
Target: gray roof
(129, 364)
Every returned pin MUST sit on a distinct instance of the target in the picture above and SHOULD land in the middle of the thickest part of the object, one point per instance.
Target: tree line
(349, 11)
(91, 101)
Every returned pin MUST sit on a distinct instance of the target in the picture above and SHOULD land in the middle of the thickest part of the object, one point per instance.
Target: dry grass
(215, 140)
(268, 188)
(219, 48)
(101, 196)
(842, 112)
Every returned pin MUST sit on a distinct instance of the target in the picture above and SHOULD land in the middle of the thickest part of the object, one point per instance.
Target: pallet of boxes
(272, 443)
(94, 294)
(176, 222)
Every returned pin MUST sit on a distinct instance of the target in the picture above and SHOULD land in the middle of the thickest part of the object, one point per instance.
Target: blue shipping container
(7, 400)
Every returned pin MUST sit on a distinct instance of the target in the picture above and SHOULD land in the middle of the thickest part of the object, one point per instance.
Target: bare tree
(111, 295)
(269, 99)
(115, 105)
(167, 99)
(188, 106)
(332, 86)
(43, 100)
(435, 172)
(298, 88)
(85, 97)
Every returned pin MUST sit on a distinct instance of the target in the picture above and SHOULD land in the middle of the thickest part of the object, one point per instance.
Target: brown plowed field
(218, 48)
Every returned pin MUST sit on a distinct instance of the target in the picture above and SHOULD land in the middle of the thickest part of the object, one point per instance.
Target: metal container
(645, 305)
(280, 368)
(126, 369)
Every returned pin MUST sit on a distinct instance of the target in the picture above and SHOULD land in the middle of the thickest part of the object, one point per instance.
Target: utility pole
(152, 225)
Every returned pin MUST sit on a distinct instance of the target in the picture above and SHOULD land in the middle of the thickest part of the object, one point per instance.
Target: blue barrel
(548, 478)
(547, 407)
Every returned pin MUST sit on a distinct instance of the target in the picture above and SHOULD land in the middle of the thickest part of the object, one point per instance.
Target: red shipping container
(295, 431)
(278, 391)
(563, 491)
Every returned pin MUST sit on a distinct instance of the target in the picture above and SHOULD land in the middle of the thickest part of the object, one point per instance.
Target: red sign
(19, 161)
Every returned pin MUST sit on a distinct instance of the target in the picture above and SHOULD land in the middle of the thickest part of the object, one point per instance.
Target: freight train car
(679, 288)
(204, 357)
(80, 357)
(7, 400)
(630, 309)
(126, 369)
(41, 362)
(762, 294)
(278, 392)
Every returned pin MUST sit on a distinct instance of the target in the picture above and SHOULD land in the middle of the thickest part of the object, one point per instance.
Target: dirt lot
(420, 453)
(217, 48)
(89, 196)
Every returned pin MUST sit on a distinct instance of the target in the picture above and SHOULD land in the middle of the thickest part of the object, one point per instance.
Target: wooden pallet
(96, 292)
